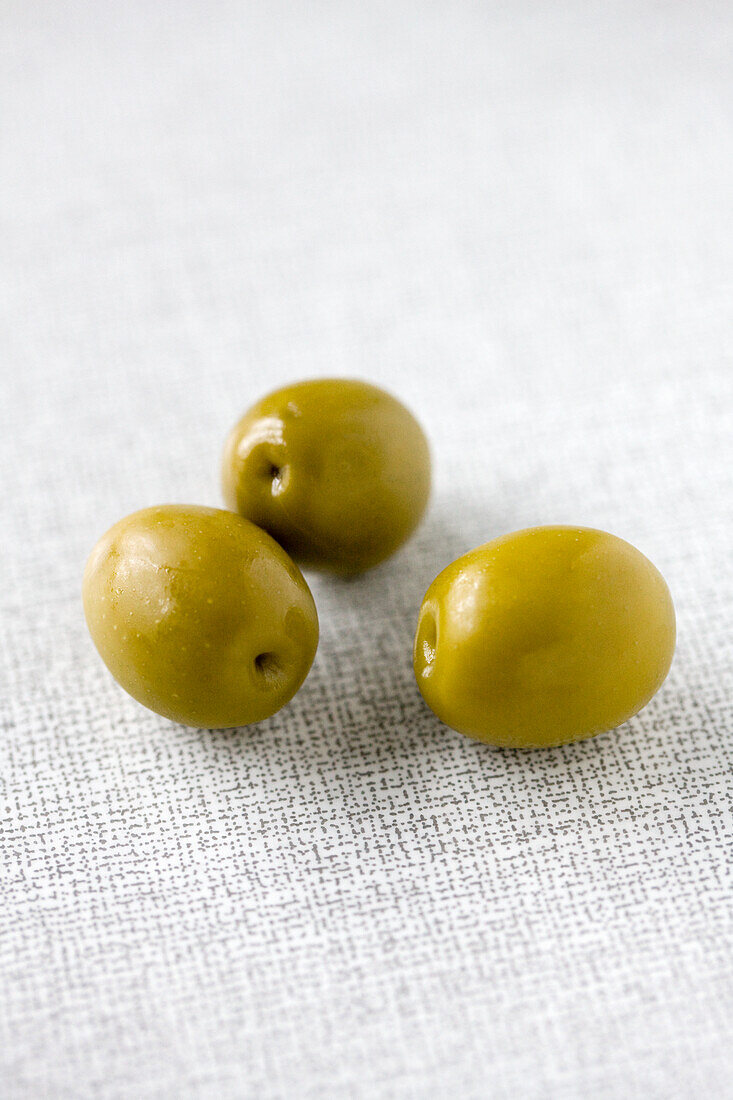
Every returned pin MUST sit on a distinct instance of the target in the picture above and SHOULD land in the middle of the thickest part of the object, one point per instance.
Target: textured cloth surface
(517, 216)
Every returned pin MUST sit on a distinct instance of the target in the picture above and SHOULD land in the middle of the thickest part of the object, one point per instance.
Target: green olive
(200, 615)
(337, 471)
(544, 636)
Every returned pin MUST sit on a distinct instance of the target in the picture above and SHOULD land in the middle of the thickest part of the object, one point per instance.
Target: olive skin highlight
(544, 636)
(200, 615)
(338, 471)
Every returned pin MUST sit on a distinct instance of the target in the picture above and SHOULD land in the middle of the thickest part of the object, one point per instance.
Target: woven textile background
(518, 217)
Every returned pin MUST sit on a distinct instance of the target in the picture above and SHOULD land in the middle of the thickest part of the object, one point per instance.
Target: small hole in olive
(267, 666)
(278, 478)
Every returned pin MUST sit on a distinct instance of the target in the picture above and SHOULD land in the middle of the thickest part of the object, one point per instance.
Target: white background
(517, 216)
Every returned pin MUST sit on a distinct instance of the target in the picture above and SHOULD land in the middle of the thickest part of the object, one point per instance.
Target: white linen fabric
(517, 217)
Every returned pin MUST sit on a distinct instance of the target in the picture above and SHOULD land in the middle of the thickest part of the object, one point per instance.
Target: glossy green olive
(337, 471)
(544, 636)
(200, 615)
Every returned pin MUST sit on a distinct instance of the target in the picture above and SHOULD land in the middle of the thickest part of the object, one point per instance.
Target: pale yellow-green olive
(337, 471)
(544, 636)
(200, 615)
